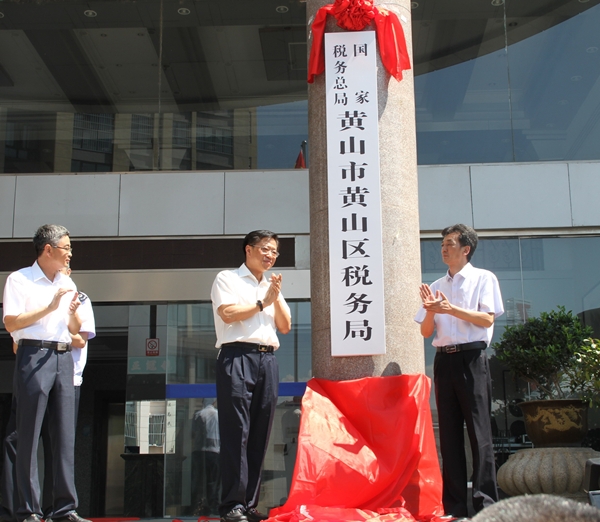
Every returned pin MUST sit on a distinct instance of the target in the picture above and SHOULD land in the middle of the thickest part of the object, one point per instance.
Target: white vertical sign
(354, 189)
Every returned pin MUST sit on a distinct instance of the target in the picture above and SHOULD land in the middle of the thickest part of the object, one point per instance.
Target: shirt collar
(464, 272)
(244, 271)
(38, 274)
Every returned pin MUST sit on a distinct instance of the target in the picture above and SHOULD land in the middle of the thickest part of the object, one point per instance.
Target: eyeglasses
(65, 248)
(266, 250)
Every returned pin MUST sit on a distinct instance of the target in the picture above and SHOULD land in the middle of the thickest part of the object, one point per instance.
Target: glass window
(152, 85)
(509, 81)
(554, 64)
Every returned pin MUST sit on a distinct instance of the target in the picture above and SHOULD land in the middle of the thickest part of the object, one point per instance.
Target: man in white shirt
(10, 498)
(40, 312)
(461, 308)
(248, 310)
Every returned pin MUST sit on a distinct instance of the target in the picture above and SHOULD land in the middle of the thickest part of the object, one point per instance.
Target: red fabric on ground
(366, 448)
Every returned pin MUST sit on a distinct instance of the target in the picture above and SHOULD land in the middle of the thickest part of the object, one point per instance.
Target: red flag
(300, 163)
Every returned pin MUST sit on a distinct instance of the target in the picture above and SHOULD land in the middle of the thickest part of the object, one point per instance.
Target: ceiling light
(282, 9)
(90, 13)
(183, 11)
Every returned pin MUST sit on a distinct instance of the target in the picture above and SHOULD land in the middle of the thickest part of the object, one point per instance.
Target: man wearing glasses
(40, 312)
(248, 310)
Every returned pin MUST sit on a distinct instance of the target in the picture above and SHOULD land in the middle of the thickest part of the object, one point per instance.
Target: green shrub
(543, 349)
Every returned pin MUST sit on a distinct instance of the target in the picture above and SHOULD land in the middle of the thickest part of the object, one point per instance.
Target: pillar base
(556, 471)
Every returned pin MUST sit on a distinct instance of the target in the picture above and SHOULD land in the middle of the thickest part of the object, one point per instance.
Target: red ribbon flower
(355, 15)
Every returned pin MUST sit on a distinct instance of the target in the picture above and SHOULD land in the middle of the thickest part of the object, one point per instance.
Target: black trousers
(463, 391)
(44, 386)
(47, 500)
(247, 386)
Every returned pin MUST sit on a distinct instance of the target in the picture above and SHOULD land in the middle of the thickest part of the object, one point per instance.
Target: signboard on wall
(152, 347)
(354, 195)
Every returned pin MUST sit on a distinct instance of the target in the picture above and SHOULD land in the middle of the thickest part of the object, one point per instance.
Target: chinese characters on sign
(355, 238)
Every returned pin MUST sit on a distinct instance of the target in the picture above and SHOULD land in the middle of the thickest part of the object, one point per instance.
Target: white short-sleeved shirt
(472, 289)
(29, 289)
(240, 287)
(88, 325)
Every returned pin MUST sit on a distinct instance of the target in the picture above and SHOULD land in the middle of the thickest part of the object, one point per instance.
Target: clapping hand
(58, 296)
(273, 291)
(437, 303)
(74, 304)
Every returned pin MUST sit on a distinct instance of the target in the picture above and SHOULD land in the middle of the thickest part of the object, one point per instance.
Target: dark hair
(255, 236)
(48, 235)
(466, 237)
(537, 508)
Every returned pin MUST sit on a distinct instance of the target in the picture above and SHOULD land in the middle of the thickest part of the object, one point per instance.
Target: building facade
(160, 132)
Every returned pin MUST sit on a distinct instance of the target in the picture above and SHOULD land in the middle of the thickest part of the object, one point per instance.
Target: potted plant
(583, 375)
(548, 351)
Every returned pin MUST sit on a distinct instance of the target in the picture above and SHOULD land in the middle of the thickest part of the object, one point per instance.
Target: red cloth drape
(390, 37)
(365, 447)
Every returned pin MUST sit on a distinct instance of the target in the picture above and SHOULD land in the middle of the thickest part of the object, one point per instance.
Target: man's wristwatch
(260, 305)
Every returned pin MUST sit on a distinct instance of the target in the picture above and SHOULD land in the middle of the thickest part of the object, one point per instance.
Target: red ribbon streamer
(355, 15)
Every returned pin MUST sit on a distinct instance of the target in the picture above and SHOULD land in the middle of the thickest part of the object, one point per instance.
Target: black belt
(254, 347)
(59, 347)
(453, 348)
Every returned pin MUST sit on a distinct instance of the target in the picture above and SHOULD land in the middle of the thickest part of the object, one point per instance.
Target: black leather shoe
(254, 515)
(235, 515)
(71, 517)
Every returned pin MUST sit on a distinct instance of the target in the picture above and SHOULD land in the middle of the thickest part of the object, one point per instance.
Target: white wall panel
(88, 205)
(585, 188)
(521, 196)
(444, 196)
(273, 200)
(7, 205)
(172, 204)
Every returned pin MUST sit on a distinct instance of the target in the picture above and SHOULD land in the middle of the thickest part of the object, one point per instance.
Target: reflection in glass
(206, 471)
(146, 426)
(554, 77)
(192, 477)
(516, 81)
(150, 86)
